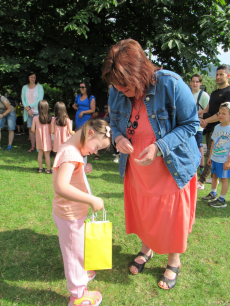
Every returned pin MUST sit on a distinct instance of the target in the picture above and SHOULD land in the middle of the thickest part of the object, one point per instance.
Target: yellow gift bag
(98, 244)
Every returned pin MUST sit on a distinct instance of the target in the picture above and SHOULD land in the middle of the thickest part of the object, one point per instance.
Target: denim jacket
(173, 117)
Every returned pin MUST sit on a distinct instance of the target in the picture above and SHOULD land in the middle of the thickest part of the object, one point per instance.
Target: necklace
(133, 125)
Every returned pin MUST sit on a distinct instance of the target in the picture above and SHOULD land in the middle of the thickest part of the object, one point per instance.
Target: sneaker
(91, 275)
(218, 203)
(9, 148)
(200, 187)
(88, 298)
(209, 197)
(114, 154)
(116, 160)
(209, 180)
(18, 134)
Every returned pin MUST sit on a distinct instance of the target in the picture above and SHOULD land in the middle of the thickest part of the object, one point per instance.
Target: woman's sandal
(41, 170)
(140, 267)
(31, 149)
(49, 171)
(170, 282)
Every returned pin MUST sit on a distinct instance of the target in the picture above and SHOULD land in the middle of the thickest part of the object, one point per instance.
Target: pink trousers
(71, 240)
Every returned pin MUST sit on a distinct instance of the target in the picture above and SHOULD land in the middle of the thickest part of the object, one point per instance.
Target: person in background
(219, 158)
(19, 118)
(41, 126)
(96, 113)
(7, 114)
(153, 118)
(61, 126)
(210, 114)
(201, 98)
(32, 93)
(85, 104)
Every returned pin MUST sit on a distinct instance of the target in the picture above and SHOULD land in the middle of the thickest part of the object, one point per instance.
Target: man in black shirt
(209, 116)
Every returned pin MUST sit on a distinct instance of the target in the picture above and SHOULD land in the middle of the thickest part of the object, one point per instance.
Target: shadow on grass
(18, 169)
(108, 177)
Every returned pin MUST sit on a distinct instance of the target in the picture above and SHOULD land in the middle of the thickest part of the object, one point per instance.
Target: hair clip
(108, 129)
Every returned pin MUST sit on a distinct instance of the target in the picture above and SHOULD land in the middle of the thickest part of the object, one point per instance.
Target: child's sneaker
(199, 186)
(91, 275)
(218, 203)
(9, 147)
(88, 298)
(209, 197)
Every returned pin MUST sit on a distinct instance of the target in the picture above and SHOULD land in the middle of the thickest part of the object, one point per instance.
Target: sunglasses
(82, 87)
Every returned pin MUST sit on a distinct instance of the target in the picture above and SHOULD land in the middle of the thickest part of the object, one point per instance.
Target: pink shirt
(65, 209)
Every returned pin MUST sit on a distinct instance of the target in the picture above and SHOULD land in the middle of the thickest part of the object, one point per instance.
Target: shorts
(199, 139)
(19, 120)
(217, 169)
(30, 120)
(11, 119)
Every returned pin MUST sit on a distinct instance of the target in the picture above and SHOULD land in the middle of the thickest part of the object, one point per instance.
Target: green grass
(31, 268)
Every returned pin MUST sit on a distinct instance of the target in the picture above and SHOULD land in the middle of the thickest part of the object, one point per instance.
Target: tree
(66, 41)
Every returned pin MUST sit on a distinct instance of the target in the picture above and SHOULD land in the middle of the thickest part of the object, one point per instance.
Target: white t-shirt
(221, 149)
(204, 100)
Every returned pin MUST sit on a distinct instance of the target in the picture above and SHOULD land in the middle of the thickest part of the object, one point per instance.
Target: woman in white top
(32, 93)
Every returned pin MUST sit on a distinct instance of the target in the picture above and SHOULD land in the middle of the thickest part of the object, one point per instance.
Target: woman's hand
(149, 154)
(88, 168)
(97, 204)
(30, 112)
(123, 145)
(81, 114)
(1, 116)
(74, 106)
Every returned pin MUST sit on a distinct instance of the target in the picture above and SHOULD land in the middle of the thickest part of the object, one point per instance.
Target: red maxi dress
(156, 210)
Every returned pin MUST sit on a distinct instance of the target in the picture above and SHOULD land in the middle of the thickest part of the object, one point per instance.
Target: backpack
(198, 99)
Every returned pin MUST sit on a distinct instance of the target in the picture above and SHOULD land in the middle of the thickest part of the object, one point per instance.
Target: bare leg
(40, 155)
(11, 137)
(32, 138)
(174, 261)
(224, 187)
(147, 251)
(202, 156)
(214, 181)
(47, 158)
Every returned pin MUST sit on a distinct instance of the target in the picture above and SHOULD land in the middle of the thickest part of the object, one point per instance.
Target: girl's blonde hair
(44, 114)
(60, 113)
(98, 125)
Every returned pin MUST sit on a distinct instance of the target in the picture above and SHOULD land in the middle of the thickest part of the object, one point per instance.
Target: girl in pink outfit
(70, 205)
(60, 126)
(41, 127)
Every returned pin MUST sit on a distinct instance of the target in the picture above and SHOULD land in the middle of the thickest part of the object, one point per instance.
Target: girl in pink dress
(41, 127)
(70, 205)
(60, 126)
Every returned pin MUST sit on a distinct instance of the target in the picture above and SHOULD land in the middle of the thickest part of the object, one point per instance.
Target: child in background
(60, 126)
(19, 117)
(70, 205)
(41, 126)
(220, 157)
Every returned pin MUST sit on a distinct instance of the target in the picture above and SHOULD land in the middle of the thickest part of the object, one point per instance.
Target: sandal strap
(173, 269)
(170, 282)
(146, 257)
(137, 265)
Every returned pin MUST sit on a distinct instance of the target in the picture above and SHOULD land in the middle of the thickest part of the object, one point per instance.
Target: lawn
(31, 268)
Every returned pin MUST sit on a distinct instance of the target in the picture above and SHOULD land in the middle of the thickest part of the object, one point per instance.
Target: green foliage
(66, 41)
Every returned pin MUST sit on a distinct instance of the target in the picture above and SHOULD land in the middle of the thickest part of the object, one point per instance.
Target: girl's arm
(65, 190)
(69, 126)
(52, 127)
(33, 127)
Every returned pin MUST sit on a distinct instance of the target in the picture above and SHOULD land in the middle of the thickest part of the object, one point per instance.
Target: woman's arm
(91, 110)
(185, 122)
(23, 96)
(7, 106)
(40, 96)
(67, 191)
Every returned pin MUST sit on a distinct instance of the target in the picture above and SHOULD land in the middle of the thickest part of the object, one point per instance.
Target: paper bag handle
(104, 215)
